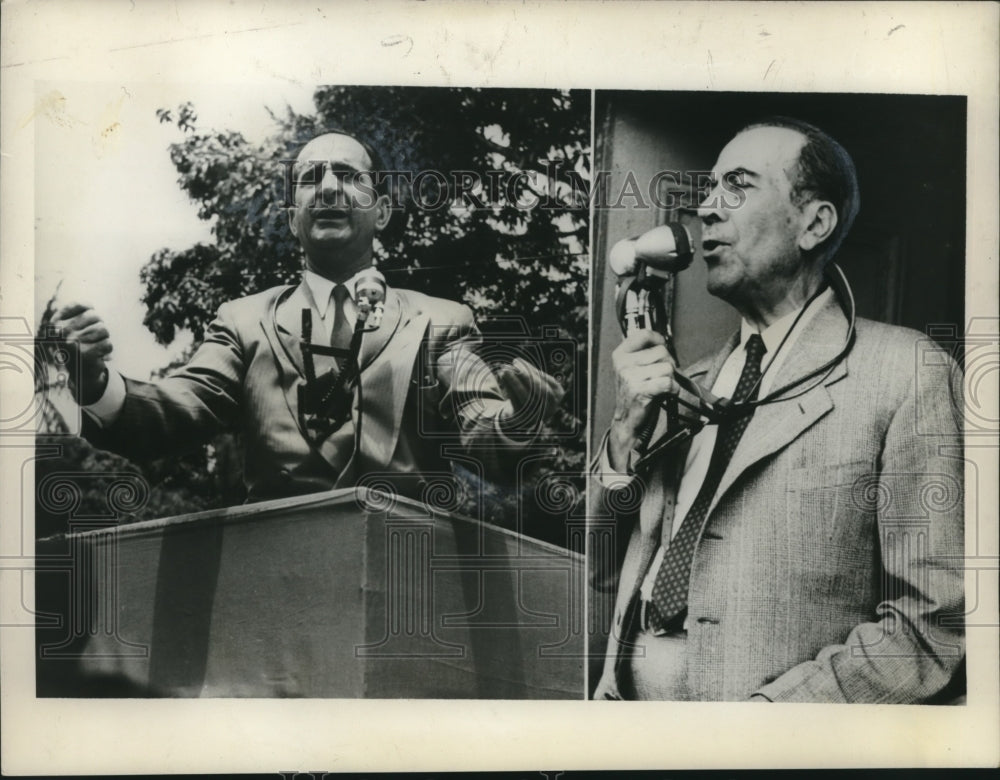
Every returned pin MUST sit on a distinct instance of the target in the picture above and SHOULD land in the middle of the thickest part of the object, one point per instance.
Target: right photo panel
(777, 474)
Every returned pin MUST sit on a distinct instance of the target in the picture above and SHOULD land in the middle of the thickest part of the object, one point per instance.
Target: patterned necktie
(670, 590)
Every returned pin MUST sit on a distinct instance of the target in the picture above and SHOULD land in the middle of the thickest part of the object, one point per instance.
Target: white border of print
(851, 47)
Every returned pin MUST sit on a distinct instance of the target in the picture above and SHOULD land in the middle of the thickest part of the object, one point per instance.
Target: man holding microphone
(787, 550)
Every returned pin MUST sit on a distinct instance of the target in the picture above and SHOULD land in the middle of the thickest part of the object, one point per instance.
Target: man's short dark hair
(824, 171)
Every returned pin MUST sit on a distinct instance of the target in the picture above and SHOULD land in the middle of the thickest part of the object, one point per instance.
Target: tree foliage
(515, 249)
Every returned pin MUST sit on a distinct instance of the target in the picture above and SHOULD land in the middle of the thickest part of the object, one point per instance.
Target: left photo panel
(310, 404)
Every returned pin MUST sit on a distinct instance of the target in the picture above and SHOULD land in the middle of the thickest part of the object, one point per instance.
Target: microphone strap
(321, 416)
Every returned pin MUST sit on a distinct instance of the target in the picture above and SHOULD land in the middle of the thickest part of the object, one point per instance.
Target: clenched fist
(533, 394)
(643, 370)
(87, 337)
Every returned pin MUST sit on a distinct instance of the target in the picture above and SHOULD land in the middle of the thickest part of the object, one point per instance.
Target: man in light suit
(810, 548)
(423, 393)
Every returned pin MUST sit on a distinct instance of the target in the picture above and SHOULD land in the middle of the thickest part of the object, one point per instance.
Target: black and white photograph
(339, 454)
(782, 473)
(413, 386)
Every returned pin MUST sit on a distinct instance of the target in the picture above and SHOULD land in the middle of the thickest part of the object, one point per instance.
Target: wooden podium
(343, 594)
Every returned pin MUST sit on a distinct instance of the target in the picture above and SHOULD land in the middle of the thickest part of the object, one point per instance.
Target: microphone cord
(714, 414)
(842, 288)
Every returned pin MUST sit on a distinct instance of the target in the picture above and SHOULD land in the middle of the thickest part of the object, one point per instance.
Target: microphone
(665, 248)
(369, 293)
(643, 265)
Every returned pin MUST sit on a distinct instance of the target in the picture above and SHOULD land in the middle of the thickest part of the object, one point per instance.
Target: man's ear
(820, 219)
(291, 223)
(383, 213)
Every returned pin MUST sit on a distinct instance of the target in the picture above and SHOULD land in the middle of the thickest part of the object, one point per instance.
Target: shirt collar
(775, 333)
(322, 288)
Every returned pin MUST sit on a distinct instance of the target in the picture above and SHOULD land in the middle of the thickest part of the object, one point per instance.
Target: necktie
(670, 590)
(340, 335)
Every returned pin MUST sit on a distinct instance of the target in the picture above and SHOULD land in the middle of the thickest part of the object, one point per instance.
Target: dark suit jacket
(426, 397)
(829, 566)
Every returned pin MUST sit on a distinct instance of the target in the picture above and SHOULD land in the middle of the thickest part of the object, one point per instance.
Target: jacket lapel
(284, 337)
(775, 426)
(375, 342)
(706, 370)
(284, 325)
(388, 355)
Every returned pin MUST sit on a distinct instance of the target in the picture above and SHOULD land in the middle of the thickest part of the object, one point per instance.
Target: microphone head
(370, 285)
(667, 248)
(622, 257)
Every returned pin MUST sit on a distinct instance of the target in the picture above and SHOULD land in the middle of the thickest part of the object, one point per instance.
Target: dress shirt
(321, 290)
(700, 453)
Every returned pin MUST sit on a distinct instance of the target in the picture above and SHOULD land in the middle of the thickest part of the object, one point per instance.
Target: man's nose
(713, 206)
(331, 183)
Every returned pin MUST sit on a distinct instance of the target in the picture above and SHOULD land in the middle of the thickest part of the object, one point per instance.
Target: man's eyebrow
(744, 172)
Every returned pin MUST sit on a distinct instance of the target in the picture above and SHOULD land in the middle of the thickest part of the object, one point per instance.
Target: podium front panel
(339, 595)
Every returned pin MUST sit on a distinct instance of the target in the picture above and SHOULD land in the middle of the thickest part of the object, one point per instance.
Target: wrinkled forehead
(770, 152)
(341, 150)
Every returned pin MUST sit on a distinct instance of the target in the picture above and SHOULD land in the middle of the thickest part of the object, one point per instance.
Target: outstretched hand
(533, 394)
(89, 344)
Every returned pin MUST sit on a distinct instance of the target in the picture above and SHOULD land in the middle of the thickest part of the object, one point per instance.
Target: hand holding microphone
(644, 373)
(645, 362)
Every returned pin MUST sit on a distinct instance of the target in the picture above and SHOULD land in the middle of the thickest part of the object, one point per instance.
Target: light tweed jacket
(829, 567)
(425, 394)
